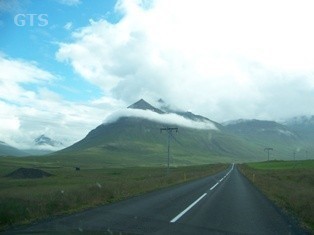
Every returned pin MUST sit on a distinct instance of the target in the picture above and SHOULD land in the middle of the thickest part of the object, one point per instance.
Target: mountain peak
(144, 105)
(300, 120)
(161, 101)
(44, 140)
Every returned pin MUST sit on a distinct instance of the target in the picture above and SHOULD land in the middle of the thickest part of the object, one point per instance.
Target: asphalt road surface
(226, 203)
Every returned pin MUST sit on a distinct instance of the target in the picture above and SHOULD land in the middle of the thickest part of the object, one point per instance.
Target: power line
(268, 149)
(169, 131)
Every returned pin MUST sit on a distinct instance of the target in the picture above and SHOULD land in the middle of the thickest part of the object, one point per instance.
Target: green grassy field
(290, 184)
(67, 191)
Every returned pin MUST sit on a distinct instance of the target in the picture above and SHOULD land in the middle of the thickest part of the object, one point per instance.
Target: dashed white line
(187, 209)
(200, 198)
(214, 186)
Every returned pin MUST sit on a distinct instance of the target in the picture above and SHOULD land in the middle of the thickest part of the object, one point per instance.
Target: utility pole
(268, 149)
(294, 153)
(169, 131)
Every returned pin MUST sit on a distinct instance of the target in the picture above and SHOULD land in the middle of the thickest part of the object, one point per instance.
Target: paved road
(226, 203)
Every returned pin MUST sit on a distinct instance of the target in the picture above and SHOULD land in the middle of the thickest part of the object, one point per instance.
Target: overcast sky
(65, 65)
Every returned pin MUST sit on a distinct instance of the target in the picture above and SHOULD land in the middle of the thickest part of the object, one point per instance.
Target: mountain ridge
(133, 135)
(8, 150)
(138, 139)
(43, 140)
(144, 105)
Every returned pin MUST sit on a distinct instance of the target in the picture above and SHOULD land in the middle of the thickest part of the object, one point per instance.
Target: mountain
(300, 121)
(261, 129)
(164, 107)
(136, 141)
(142, 104)
(139, 141)
(282, 138)
(7, 150)
(46, 141)
(303, 126)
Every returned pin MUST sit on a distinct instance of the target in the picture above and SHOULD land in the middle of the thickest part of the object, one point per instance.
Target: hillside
(283, 139)
(44, 140)
(7, 150)
(303, 126)
(133, 137)
(135, 140)
(138, 141)
(263, 130)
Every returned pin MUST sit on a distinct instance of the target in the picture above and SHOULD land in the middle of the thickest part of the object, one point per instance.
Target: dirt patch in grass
(28, 173)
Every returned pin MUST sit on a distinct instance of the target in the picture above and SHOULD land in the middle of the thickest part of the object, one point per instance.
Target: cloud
(60, 120)
(9, 123)
(15, 73)
(10, 6)
(68, 26)
(222, 59)
(70, 2)
(172, 119)
(29, 108)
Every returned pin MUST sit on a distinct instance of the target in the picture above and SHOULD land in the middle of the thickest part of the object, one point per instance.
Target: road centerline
(215, 185)
(187, 209)
(200, 198)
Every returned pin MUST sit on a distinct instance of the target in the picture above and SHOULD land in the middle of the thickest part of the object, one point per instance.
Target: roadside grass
(290, 184)
(25, 200)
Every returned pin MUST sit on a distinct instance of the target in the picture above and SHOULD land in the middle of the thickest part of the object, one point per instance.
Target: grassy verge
(289, 184)
(25, 200)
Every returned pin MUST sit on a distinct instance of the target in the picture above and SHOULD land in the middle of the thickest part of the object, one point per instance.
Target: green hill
(7, 150)
(269, 134)
(137, 141)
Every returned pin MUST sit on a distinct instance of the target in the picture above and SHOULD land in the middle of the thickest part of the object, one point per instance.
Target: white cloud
(9, 123)
(12, 70)
(10, 6)
(15, 74)
(173, 119)
(70, 2)
(68, 26)
(29, 108)
(60, 120)
(223, 59)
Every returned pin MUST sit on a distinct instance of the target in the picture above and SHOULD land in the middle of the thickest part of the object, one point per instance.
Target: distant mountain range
(303, 126)
(43, 140)
(138, 141)
(269, 134)
(7, 150)
(133, 140)
(42, 145)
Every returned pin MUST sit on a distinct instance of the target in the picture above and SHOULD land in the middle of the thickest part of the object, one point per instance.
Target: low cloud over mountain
(142, 109)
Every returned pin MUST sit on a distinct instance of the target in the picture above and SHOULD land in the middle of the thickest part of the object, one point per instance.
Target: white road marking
(187, 209)
(200, 198)
(214, 186)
